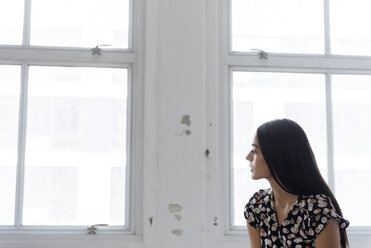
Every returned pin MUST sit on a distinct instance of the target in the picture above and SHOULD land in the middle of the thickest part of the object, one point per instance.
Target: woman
(299, 210)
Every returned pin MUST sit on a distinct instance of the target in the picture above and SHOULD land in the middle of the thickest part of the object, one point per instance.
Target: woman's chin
(255, 177)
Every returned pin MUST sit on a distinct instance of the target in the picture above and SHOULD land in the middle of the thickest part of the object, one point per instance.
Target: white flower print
(306, 219)
(326, 211)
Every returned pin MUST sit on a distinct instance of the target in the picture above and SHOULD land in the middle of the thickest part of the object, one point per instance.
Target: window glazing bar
(362, 64)
(229, 23)
(131, 25)
(26, 23)
(330, 134)
(230, 171)
(326, 13)
(36, 55)
(130, 142)
(21, 146)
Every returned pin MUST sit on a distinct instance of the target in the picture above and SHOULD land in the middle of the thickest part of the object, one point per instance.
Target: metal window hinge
(97, 50)
(93, 228)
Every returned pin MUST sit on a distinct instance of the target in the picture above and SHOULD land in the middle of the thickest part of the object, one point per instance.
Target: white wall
(181, 75)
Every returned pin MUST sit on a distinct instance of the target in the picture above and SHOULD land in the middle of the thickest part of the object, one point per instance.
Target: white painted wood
(65, 240)
(330, 134)
(150, 135)
(179, 96)
(58, 56)
(318, 62)
(327, 35)
(21, 146)
(26, 23)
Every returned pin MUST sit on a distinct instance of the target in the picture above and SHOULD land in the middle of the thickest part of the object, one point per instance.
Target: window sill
(27, 237)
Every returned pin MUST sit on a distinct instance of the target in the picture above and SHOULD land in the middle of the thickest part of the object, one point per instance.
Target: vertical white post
(330, 134)
(230, 151)
(22, 119)
(21, 147)
(326, 13)
(130, 140)
(26, 22)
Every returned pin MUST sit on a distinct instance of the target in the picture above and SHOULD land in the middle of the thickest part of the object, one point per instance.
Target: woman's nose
(248, 157)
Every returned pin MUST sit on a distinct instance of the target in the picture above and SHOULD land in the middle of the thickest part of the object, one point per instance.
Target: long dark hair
(291, 161)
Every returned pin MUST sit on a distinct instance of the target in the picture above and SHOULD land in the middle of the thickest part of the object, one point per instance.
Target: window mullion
(21, 146)
(326, 12)
(130, 222)
(330, 134)
(26, 22)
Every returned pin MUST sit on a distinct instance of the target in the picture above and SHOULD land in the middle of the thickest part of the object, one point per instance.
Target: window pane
(262, 96)
(352, 144)
(286, 26)
(11, 22)
(10, 78)
(350, 31)
(79, 23)
(76, 146)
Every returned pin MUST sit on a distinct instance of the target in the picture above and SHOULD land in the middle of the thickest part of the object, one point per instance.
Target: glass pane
(11, 22)
(350, 31)
(10, 79)
(352, 144)
(74, 23)
(286, 26)
(263, 96)
(76, 146)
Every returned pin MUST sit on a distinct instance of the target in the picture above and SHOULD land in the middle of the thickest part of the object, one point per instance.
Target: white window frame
(131, 59)
(327, 64)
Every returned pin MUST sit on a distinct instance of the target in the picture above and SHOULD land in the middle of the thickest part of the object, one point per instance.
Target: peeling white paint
(177, 232)
(178, 217)
(184, 132)
(186, 120)
(174, 208)
(187, 132)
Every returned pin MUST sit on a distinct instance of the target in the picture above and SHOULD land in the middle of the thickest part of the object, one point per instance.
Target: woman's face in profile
(259, 167)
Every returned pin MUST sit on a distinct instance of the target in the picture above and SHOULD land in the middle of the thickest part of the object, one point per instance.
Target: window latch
(97, 49)
(261, 53)
(91, 229)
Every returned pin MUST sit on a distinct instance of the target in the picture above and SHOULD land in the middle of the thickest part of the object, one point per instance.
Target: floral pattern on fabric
(305, 220)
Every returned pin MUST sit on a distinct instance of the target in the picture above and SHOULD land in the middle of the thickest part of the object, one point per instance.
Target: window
(65, 114)
(261, 96)
(75, 156)
(87, 25)
(9, 106)
(269, 24)
(295, 59)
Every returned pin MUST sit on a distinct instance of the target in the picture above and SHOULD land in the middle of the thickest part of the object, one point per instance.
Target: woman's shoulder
(318, 211)
(261, 196)
(312, 202)
(257, 204)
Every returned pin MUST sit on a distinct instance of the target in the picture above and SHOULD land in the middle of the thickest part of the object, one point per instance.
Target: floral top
(304, 222)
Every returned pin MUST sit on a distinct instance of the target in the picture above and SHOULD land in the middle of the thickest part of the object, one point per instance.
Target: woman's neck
(282, 197)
